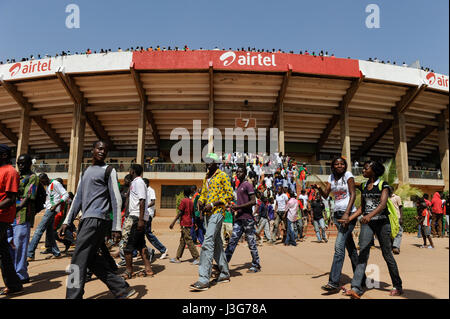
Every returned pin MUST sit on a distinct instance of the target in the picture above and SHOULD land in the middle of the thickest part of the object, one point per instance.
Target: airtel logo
(431, 77)
(229, 58)
(31, 67)
(14, 69)
(438, 80)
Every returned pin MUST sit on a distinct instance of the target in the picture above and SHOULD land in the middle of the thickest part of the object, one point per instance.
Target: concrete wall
(156, 184)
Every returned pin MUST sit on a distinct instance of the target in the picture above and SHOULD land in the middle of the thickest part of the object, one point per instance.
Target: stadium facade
(54, 108)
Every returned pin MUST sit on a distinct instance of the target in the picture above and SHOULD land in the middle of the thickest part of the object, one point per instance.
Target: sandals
(395, 292)
(148, 274)
(142, 273)
(127, 275)
(8, 292)
(350, 293)
(329, 288)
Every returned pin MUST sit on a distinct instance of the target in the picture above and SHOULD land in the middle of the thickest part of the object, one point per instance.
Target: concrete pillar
(142, 125)
(345, 137)
(400, 148)
(281, 129)
(76, 147)
(24, 132)
(211, 127)
(443, 148)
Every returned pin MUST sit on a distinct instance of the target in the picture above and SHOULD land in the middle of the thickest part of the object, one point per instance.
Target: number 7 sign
(245, 123)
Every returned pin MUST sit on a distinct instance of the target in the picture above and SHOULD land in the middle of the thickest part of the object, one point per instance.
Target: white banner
(113, 61)
(34, 68)
(391, 73)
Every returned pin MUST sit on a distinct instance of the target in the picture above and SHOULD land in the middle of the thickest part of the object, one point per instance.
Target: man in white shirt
(280, 215)
(56, 194)
(268, 180)
(135, 223)
(151, 198)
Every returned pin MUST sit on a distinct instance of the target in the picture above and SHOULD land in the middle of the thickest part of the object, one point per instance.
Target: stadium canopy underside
(133, 100)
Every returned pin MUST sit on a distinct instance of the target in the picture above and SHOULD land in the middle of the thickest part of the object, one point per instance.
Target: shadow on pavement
(322, 275)
(155, 267)
(407, 293)
(235, 271)
(140, 289)
(43, 282)
(414, 294)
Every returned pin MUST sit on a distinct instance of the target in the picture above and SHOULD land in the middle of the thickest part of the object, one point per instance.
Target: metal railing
(201, 167)
(50, 168)
(425, 174)
(124, 167)
(326, 170)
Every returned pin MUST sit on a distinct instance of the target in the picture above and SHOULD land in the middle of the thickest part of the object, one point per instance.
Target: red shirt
(9, 182)
(187, 207)
(436, 203)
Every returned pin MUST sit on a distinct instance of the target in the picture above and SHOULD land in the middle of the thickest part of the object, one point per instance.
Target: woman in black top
(375, 220)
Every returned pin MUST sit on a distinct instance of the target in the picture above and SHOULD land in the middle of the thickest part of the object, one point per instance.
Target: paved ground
(287, 273)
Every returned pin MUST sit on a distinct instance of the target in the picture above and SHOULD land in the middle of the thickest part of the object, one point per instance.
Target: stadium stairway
(331, 231)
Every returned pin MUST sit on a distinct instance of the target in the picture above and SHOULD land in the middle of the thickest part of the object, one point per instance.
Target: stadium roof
(178, 87)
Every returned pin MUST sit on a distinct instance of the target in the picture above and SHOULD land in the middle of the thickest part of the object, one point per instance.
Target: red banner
(245, 61)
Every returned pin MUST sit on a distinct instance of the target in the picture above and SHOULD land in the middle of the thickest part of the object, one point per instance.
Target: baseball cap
(212, 157)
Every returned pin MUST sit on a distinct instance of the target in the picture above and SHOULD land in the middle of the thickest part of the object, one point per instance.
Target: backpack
(263, 211)
(41, 196)
(393, 216)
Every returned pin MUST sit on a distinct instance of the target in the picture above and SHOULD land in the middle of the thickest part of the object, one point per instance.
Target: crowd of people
(243, 196)
(140, 48)
(163, 48)
(376, 60)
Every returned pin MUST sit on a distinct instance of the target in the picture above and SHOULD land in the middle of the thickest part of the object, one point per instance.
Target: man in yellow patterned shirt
(216, 195)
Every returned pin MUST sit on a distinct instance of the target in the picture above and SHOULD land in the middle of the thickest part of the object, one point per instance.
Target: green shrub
(179, 198)
(410, 224)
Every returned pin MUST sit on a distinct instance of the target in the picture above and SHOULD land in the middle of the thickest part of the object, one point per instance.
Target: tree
(405, 191)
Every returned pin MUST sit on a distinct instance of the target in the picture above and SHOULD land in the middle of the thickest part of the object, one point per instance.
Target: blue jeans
(21, 237)
(199, 233)
(299, 228)
(264, 224)
(46, 225)
(344, 240)
(382, 228)
(240, 226)
(398, 239)
(152, 238)
(319, 224)
(290, 236)
(212, 248)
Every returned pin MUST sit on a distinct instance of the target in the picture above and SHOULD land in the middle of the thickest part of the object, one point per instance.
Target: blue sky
(409, 29)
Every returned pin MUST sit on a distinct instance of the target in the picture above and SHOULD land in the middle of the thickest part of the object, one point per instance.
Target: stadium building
(55, 108)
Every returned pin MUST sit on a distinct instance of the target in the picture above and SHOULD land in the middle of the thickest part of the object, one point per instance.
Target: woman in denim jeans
(341, 184)
(375, 220)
